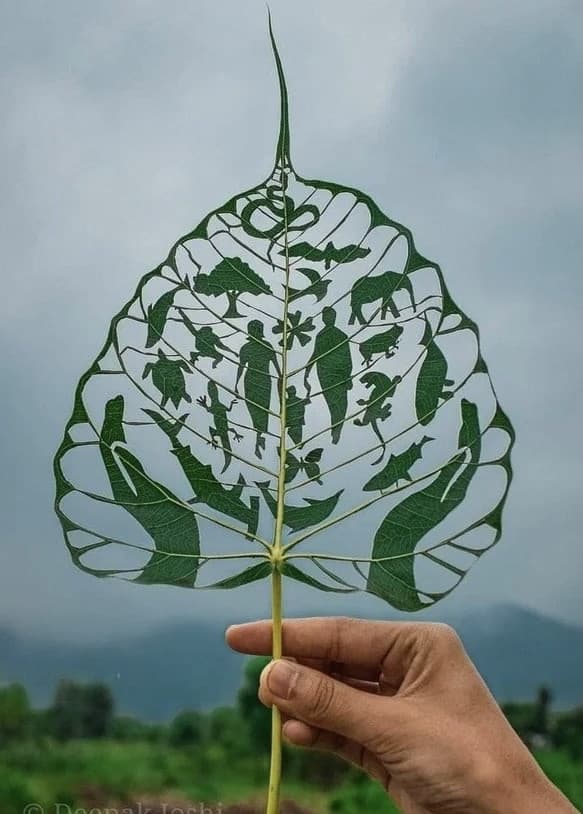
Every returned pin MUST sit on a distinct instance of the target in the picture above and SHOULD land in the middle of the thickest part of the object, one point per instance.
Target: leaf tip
(282, 157)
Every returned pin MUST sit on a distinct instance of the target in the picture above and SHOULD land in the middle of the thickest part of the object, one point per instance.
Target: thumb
(317, 699)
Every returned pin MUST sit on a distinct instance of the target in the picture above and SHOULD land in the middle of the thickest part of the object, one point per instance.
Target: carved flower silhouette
(296, 329)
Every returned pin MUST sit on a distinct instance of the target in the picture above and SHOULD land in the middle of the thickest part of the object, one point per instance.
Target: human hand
(404, 702)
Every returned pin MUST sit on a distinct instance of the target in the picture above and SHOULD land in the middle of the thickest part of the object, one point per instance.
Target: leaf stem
(275, 761)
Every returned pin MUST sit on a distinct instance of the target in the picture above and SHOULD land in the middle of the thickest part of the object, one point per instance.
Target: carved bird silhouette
(329, 254)
(317, 287)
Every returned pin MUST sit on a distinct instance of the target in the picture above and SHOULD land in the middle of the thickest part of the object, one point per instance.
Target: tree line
(87, 711)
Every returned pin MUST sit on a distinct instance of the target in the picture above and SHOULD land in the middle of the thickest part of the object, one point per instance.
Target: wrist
(521, 786)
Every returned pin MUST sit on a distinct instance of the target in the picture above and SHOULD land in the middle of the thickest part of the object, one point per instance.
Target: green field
(78, 753)
(98, 774)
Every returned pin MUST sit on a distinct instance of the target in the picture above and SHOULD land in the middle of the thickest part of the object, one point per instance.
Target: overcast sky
(124, 123)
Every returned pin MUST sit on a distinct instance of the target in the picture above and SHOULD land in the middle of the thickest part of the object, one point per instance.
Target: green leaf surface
(157, 315)
(393, 578)
(290, 570)
(251, 574)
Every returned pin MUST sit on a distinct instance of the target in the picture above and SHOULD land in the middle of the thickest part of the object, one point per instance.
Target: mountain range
(187, 664)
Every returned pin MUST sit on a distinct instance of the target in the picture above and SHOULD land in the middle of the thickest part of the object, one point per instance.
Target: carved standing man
(333, 362)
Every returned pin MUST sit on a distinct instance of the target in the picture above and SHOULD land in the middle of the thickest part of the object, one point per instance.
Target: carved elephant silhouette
(379, 287)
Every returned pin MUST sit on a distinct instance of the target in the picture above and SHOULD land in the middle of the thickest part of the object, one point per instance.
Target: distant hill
(517, 650)
(188, 665)
(152, 676)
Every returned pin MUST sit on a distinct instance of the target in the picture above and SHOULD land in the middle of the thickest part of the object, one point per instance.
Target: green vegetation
(80, 753)
(564, 772)
(14, 712)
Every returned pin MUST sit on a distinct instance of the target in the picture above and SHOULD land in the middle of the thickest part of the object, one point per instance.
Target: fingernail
(282, 678)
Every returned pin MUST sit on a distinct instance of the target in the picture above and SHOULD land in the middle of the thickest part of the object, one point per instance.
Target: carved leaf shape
(294, 369)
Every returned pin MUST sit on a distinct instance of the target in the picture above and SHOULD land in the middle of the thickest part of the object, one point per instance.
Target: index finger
(337, 640)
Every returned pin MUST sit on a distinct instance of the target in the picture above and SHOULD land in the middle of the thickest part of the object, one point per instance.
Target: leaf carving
(294, 369)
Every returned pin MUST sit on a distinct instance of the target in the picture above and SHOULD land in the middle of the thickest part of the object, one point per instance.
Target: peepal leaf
(294, 369)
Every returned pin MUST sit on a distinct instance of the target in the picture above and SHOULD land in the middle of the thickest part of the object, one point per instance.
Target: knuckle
(445, 637)
(338, 634)
(435, 637)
